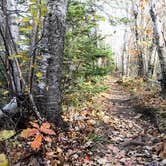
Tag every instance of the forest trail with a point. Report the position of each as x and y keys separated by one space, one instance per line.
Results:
x=116 y=133
x=107 y=132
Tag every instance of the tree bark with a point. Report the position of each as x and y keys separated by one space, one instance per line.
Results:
x=140 y=53
x=160 y=44
x=151 y=60
x=124 y=53
x=54 y=38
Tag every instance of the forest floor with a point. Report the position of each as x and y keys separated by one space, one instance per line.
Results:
x=108 y=131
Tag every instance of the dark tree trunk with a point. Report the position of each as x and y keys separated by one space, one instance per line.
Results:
x=55 y=26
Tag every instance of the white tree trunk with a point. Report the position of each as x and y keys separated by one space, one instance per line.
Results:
x=160 y=44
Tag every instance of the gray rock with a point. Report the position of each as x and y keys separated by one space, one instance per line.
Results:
x=163 y=162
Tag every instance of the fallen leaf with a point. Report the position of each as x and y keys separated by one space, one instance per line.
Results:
x=5 y=134
x=3 y=160
x=29 y=132
x=35 y=145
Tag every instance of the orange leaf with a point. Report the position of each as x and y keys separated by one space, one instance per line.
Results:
x=48 y=131
x=35 y=125
x=148 y=31
x=135 y=52
x=29 y=132
x=35 y=145
x=45 y=125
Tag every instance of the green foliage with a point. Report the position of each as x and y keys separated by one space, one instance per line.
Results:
x=98 y=139
x=124 y=20
x=86 y=60
x=82 y=50
x=81 y=91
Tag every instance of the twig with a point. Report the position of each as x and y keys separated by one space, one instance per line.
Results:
x=133 y=142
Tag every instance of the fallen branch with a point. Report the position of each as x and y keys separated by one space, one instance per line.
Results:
x=34 y=107
x=152 y=81
x=133 y=143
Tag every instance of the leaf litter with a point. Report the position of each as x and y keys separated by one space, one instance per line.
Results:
x=107 y=131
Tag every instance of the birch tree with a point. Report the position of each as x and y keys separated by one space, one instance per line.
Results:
x=54 y=37
x=160 y=43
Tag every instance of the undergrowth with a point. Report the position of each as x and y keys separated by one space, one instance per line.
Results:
x=83 y=90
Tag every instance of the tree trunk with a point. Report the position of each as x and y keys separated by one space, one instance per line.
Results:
x=124 y=53
x=140 y=53
x=160 y=44
x=14 y=37
x=54 y=38
x=151 y=60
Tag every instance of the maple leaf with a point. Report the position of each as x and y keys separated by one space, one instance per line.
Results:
x=35 y=145
x=44 y=128
x=29 y=132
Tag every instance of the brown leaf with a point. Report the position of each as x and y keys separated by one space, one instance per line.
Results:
x=163 y=153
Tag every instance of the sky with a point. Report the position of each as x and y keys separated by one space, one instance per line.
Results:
x=113 y=34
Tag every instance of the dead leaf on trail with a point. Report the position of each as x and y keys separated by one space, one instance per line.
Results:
x=59 y=150
x=114 y=149
x=163 y=152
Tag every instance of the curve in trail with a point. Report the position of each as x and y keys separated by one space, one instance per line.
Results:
x=129 y=139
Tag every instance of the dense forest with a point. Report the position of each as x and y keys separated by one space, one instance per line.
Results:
x=82 y=82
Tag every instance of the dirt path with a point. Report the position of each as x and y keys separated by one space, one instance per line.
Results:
x=121 y=136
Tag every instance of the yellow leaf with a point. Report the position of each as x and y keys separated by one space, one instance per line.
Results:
x=15 y=56
x=5 y=92
x=3 y=160
x=5 y=134
x=25 y=19
x=39 y=74
x=59 y=150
